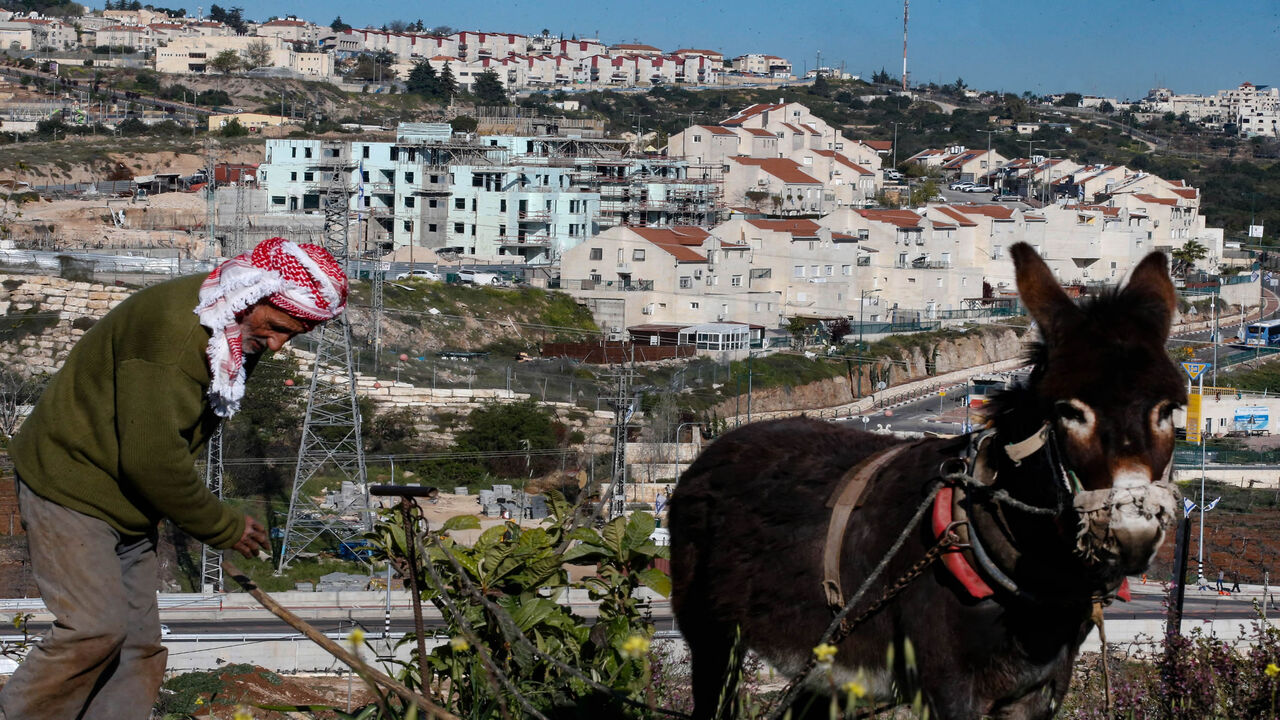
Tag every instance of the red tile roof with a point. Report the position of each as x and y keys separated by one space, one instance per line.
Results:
x=959 y=217
x=793 y=128
x=1144 y=197
x=885 y=145
x=759 y=132
x=750 y=112
x=844 y=161
x=795 y=228
x=812 y=130
x=695 y=51
x=1188 y=193
x=788 y=171
x=717 y=130
x=998 y=212
x=629 y=46
x=679 y=241
x=900 y=218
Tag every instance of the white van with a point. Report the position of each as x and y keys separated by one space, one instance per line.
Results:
x=476 y=277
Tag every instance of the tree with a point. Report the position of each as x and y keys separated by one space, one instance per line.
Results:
x=488 y=88
x=1187 y=255
x=338 y=26
x=258 y=54
x=17 y=394
x=234 y=129
x=838 y=329
x=1069 y=100
x=1106 y=107
x=798 y=327
x=226 y=62
x=821 y=86
x=423 y=80
x=512 y=427
x=448 y=84
x=464 y=124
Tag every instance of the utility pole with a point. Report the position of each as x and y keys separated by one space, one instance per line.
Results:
x=990 y=165
x=331 y=429
x=615 y=496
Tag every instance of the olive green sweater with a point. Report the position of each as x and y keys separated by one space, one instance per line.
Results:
x=118 y=431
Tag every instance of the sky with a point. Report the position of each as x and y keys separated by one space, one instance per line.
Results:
x=1114 y=48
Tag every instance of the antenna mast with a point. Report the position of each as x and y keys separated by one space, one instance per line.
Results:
x=906 y=5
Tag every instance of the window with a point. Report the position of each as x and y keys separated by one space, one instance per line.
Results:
x=277 y=199
x=431 y=227
x=637 y=254
x=460 y=203
x=306 y=152
x=294 y=153
x=502 y=205
x=939 y=282
x=408 y=201
x=846 y=270
x=828 y=270
x=693 y=306
x=459 y=228
x=408 y=226
x=364 y=176
x=502 y=230
x=597 y=253
x=293 y=176
x=432 y=202
x=473 y=230
x=308 y=176
x=408 y=177
x=797 y=271
x=697 y=138
x=686 y=282
x=395 y=153
x=735 y=281
x=364 y=153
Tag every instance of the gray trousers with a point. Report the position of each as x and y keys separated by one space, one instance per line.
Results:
x=102 y=660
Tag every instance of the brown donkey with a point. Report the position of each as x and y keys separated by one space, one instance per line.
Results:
x=779 y=525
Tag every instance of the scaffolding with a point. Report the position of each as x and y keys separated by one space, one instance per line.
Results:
x=331 y=429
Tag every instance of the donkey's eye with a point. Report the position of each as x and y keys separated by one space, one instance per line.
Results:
x=1068 y=412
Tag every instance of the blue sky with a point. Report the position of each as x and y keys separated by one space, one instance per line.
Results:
x=1119 y=48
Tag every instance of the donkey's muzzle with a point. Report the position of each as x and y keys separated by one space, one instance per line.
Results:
x=1121 y=528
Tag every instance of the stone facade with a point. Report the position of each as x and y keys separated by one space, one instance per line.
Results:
x=43 y=317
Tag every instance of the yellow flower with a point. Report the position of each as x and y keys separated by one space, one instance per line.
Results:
x=1272 y=670
x=459 y=644
x=824 y=653
x=199 y=701
x=636 y=646
x=356 y=638
x=242 y=713
x=855 y=688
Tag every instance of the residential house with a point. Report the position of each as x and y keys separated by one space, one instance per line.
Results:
x=777 y=185
x=764 y=65
x=191 y=55
x=291 y=29
x=634 y=50
x=706 y=144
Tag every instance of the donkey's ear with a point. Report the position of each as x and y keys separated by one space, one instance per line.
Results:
x=1150 y=287
x=1039 y=289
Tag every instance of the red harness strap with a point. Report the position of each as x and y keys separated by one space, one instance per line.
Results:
x=954 y=557
x=958 y=564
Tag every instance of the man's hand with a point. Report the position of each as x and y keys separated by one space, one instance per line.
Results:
x=253 y=543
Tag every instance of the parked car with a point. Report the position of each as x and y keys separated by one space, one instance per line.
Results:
x=961 y=185
x=476 y=277
x=423 y=274
x=978 y=188
x=1007 y=198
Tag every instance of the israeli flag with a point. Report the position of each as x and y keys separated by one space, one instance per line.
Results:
x=1187 y=507
x=360 y=189
x=1212 y=504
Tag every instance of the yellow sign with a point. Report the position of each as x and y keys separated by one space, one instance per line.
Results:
x=1193 y=418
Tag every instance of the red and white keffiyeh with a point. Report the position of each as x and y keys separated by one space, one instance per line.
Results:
x=302 y=280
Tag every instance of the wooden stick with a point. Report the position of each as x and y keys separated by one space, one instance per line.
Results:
x=365 y=671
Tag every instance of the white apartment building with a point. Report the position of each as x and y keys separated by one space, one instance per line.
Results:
x=291 y=29
x=47 y=33
x=765 y=65
x=191 y=55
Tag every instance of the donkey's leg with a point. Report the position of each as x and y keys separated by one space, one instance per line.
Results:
x=716 y=658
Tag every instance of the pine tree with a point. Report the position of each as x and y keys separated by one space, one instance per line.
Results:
x=448 y=86
x=423 y=80
x=488 y=88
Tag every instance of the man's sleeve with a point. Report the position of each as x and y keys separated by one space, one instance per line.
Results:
x=157 y=407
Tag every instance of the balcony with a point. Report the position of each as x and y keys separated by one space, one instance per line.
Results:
x=534 y=216
x=524 y=241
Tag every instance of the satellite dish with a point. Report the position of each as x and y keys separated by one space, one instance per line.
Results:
x=881 y=385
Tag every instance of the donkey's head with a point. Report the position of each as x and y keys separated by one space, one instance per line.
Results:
x=1106 y=385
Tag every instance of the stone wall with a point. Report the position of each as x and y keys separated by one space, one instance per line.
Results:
x=42 y=317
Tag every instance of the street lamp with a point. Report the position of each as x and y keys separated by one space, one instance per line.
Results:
x=895 y=145
x=1044 y=191
x=862 y=304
